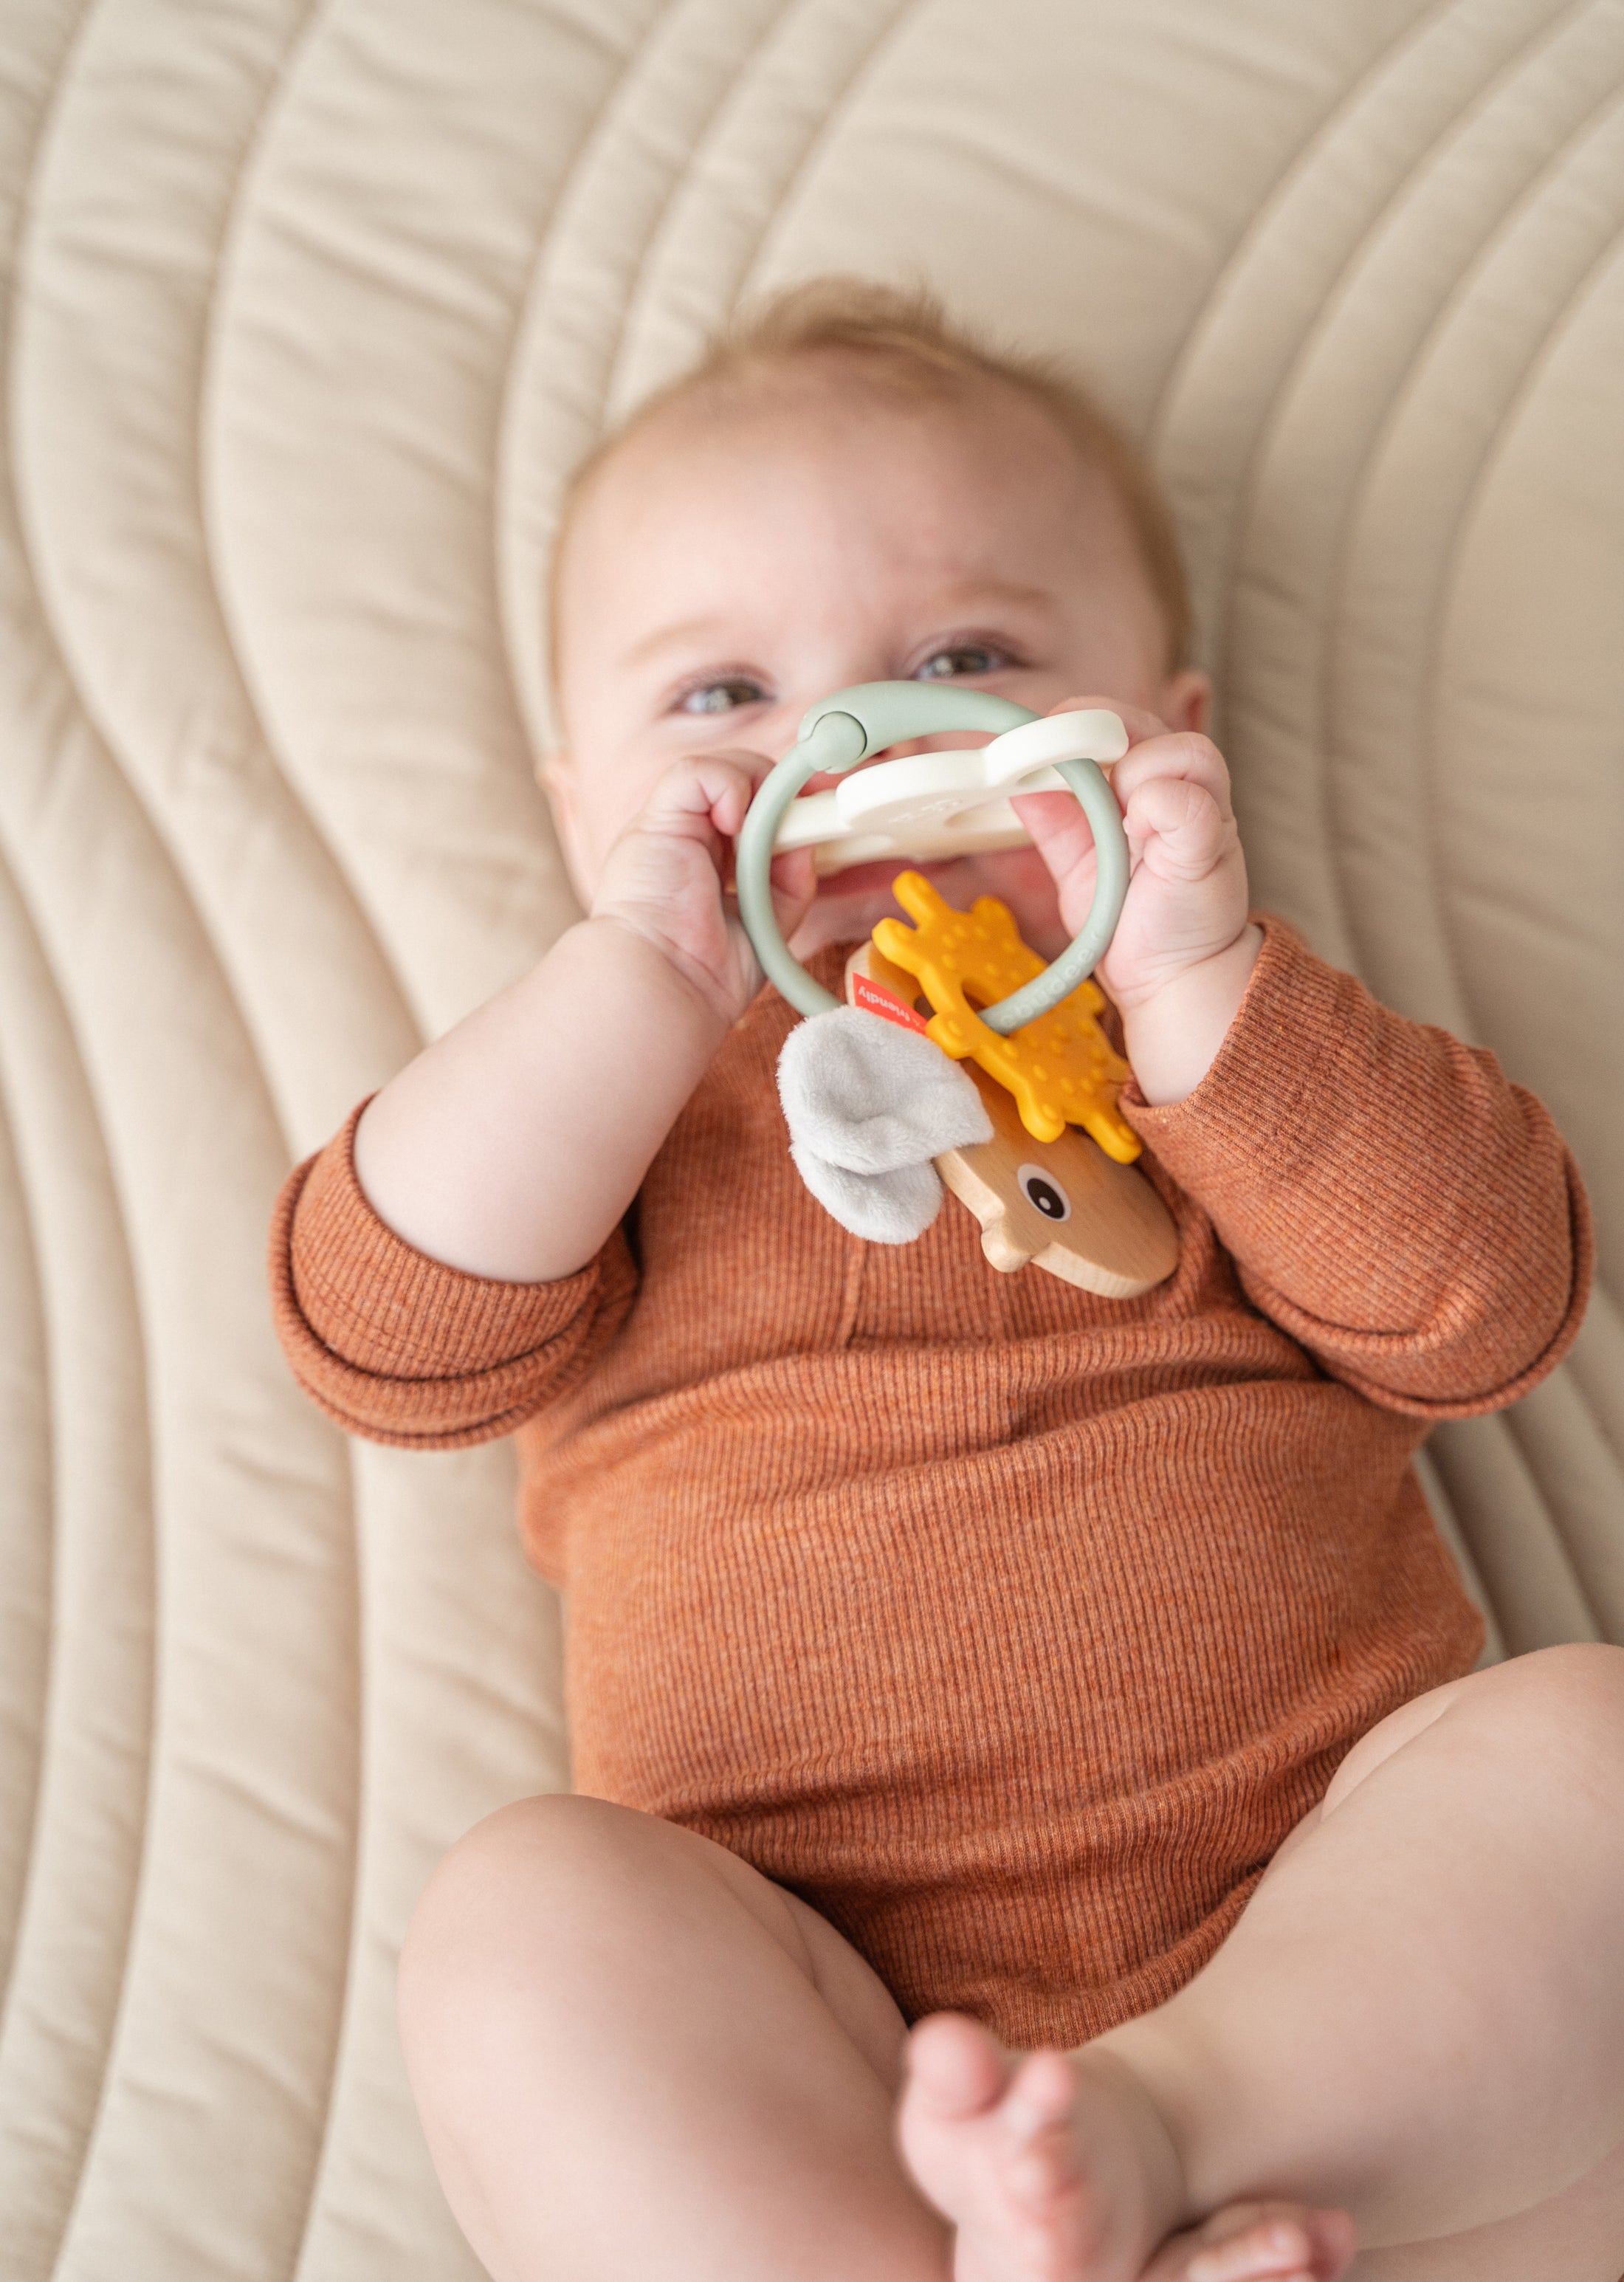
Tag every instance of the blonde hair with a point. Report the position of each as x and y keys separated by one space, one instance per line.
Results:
x=905 y=339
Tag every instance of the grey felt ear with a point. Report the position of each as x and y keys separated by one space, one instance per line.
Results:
x=869 y=1104
x=890 y=1208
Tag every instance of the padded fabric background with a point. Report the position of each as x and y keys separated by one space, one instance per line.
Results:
x=311 y=307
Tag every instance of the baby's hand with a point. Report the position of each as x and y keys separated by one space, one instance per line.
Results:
x=1178 y=963
x=1187 y=892
x=668 y=877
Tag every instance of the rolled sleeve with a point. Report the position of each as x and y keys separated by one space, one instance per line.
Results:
x=399 y=1347
x=1388 y=1197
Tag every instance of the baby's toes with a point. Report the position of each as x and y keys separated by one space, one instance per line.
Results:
x=1259 y=2242
x=957 y=2076
x=1041 y=2167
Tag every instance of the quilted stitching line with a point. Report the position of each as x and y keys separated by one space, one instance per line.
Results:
x=609 y=122
x=864 y=66
x=1419 y=167
x=233 y=223
x=1320 y=733
x=1409 y=386
x=46 y=1789
x=1303 y=163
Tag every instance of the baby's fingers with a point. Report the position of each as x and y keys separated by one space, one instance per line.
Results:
x=1060 y=829
x=706 y=793
x=1178 y=828
x=1182 y=754
x=793 y=879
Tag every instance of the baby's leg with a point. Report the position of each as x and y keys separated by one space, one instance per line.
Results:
x=1576 y=2237
x=635 y=2057
x=1416 y=2020
x=1418 y=2012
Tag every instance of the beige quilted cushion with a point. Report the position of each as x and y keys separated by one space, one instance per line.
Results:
x=312 y=309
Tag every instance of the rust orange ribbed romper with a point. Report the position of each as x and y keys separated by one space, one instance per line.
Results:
x=1012 y=1627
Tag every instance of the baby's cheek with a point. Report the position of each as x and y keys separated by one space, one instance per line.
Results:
x=608 y=797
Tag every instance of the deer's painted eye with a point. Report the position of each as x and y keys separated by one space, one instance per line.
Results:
x=1043 y=1192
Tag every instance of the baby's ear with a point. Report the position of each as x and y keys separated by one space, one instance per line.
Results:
x=1187 y=701
x=555 y=775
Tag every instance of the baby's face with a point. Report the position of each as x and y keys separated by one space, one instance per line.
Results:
x=745 y=555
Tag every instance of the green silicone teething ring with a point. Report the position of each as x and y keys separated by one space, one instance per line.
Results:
x=845 y=729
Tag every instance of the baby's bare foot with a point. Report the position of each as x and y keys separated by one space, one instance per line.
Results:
x=1051 y=2171
x=1056 y=2169
x=1260 y=2242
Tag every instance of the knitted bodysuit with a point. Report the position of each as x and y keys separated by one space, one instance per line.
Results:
x=1012 y=1627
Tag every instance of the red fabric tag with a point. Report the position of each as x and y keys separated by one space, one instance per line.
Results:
x=875 y=999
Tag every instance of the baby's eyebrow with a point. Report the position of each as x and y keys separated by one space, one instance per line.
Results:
x=965 y=592
x=686 y=632
x=961 y=596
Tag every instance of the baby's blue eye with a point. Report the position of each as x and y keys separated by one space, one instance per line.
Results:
x=720 y=696
x=963 y=657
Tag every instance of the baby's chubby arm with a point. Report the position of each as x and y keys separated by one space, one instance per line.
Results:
x=1388 y=1198
x=1184 y=951
x=511 y=1147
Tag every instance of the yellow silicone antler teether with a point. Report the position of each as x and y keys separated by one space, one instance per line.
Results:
x=1061 y=1068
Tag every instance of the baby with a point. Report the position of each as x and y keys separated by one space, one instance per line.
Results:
x=1078 y=1679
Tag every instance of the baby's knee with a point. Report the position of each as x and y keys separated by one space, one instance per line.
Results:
x=520 y=1884
x=1548 y=1725
x=1567 y=1699
x=1538 y=1718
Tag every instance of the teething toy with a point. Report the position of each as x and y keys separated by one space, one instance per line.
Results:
x=874 y=1132
x=930 y=802
x=1062 y=1204
x=1061 y=1068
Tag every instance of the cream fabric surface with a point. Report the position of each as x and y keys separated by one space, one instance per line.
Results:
x=310 y=310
